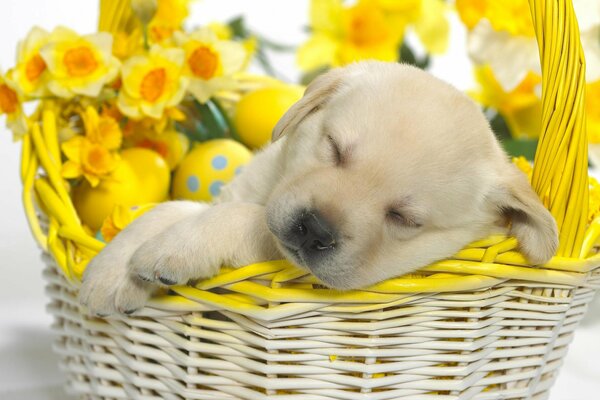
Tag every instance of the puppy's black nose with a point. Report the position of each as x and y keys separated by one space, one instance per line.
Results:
x=313 y=233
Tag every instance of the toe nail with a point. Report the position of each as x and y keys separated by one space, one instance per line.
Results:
x=145 y=278
x=101 y=315
x=167 y=281
x=129 y=312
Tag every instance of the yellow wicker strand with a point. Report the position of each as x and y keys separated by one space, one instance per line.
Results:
x=26 y=156
x=508 y=271
x=53 y=204
x=30 y=212
x=57 y=249
x=591 y=237
x=560 y=54
x=78 y=236
x=51 y=137
x=50 y=167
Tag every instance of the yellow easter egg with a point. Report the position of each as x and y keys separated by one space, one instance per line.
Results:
x=257 y=112
x=207 y=168
x=141 y=177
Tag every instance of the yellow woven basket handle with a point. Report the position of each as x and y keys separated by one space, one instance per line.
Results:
x=116 y=16
x=560 y=172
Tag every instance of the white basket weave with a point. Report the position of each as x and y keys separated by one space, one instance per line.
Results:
x=506 y=342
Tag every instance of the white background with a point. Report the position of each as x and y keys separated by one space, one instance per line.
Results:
x=27 y=366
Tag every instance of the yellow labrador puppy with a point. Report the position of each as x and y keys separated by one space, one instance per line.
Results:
x=378 y=170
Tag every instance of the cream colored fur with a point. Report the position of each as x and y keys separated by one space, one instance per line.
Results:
x=411 y=143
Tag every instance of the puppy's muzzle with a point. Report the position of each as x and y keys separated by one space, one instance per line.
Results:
x=311 y=235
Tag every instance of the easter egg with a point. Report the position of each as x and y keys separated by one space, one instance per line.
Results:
x=207 y=167
x=257 y=112
x=141 y=177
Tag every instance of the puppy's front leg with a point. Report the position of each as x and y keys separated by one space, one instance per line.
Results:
x=107 y=271
x=233 y=234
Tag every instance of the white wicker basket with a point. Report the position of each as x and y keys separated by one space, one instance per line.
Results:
x=483 y=325
x=503 y=342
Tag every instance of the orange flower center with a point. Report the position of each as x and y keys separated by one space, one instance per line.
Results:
x=153 y=84
x=367 y=26
x=98 y=160
x=204 y=62
x=80 y=61
x=34 y=67
x=8 y=100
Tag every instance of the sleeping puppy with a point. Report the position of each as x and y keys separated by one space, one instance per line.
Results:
x=378 y=170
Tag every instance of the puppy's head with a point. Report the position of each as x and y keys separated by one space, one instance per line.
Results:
x=387 y=169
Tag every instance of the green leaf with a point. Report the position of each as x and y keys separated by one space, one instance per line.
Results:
x=407 y=56
x=205 y=122
x=520 y=147
x=238 y=27
x=499 y=126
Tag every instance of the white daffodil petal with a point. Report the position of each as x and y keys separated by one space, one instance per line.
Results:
x=511 y=57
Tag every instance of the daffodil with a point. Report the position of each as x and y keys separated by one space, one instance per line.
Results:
x=520 y=107
x=103 y=130
x=31 y=73
x=170 y=145
x=79 y=65
x=10 y=104
x=94 y=155
x=90 y=160
x=120 y=218
x=210 y=63
x=152 y=83
x=501 y=27
x=370 y=29
x=127 y=44
x=169 y=17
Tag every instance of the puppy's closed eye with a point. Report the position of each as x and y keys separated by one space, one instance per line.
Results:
x=402 y=219
x=338 y=155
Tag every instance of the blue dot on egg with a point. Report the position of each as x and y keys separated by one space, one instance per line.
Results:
x=219 y=163
x=215 y=188
x=193 y=183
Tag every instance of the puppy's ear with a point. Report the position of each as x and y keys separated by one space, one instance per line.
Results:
x=531 y=223
x=316 y=95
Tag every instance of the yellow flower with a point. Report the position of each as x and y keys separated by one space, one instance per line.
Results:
x=10 y=104
x=120 y=218
x=222 y=31
x=210 y=63
x=93 y=155
x=170 y=145
x=369 y=29
x=90 y=160
x=169 y=17
x=126 y=44
x=31 y=74
x=524 y=165
x=501 y=27
x=152 y=83
x=79 y=65
x=103 y=130
x=512 y=16
x=521 y=107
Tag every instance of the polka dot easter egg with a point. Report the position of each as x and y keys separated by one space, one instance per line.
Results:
x=208 y=167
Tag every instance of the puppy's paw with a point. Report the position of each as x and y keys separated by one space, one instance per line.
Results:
x=107 y=286
x=168 y=259
x=103 y=276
